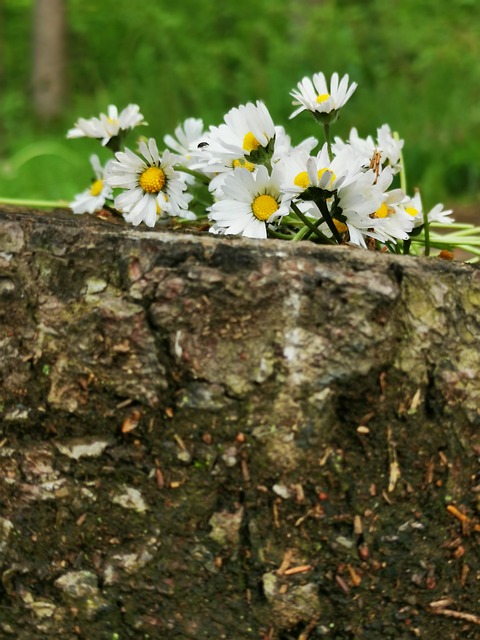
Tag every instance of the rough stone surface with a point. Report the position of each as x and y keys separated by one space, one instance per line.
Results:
x=224 y=438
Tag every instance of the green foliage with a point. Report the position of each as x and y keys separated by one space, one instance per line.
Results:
x=416 y=63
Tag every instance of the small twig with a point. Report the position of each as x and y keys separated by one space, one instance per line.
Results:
x=394 y=474
x=441 y=604
x=457 y=513
x=354 y=576
x=308 y=629
x=276 y=519
x=459 y=615
x=285 y=564
x=180 y=442
x=244 y=469
x=464 y=519
x=303 y=568
x=342 y=584
x=159 y=478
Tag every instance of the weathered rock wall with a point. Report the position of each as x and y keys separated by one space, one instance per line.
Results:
x=200 y=435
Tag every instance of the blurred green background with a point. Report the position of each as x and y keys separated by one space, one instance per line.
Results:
x=417 y=63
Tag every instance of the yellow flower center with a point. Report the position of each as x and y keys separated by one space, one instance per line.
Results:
x=323 y=97
x=302 y=180
x=96 y=188
x=411 y=211
x=264 y=206
x=322 y=171
x=152 y=180
x=243 y=163
x=382 y=211
x=250 y=143
x=341 y=227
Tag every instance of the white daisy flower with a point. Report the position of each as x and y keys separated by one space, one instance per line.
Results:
x=94 y=198
x=106 y=127
x=249 y=202
x=225 y=169
x=358 y=200
x=152 y=184
x=328 y=174
x=234 y=145
x=188 y=140
x=303 y=171
x=283 y=148
x=415 y=208
x=358 y=226
x=188 y=135
x=221 y=164
x=314 y=94
x=246 y=130
x=439 y=214
x=395 y=222
x=353 y=193
x=389 y=147
x=385 y=151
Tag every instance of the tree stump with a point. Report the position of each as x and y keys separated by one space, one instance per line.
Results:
x=212 y=437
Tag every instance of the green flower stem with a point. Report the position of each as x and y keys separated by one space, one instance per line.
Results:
x=393 y=248
x=322 y=205
x=112 y=209
x=50 y=204
x=426 y=233
x=326 y=131
x=403 y=175
x=469 y=248
x=302 y=233
x=453 y=225
x=200 y=221
x=463 y=233
x=453 y=241
x=115 y=144
x=290 y=219
x=317 y=223
x=192 y=172
x=201 y=203
x=311 y=226
x=476 y=252
x=281 y=236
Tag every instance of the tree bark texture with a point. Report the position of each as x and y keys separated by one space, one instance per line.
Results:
x=207 y=437
x=49 y=58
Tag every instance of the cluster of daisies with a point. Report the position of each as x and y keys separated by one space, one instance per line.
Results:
x=247 y=178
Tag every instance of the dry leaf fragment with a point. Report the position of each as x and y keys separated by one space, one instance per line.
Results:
x=131 y=422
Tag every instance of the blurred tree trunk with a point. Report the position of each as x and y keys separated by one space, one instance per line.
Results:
x=1 y=47
x=49 y=51
x=2 y=71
